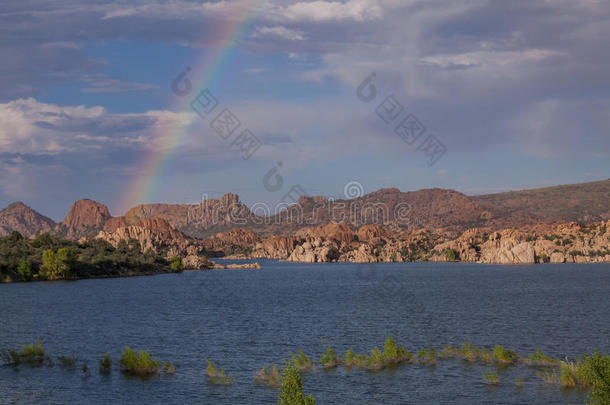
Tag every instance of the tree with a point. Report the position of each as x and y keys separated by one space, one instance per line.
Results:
x=49 y=269
x=15 y=237
x=25 y=270
x=66 y=261
x=291 y=389
x=176 y=264
x=451 y=255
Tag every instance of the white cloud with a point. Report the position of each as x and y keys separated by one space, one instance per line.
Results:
x=32 y=127
x=324 y=11
x=280 y=32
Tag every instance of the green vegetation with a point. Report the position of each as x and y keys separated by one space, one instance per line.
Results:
x=503 y=356
x=218 y=377
x=25 y=270
x=169 y=368
x=49 y=257
x=291 y=388
x=448 y=352
x=67 y=362
x=540 y=359
x=139 y=364
x=427 y=356
x=377 y=360
x=105 y=364
x=491 y=378
x=451 y=255
x=468 y=351
x=176 y=264
x=329 y=359
x=301 y=361
x=597 y=373
x=30 y=354
x=352 y=359
x=269 y=377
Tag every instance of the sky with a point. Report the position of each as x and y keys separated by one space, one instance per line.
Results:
x=126 y=102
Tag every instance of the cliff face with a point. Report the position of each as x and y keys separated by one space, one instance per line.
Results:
x=160 y=237
x=204 y=219
x=21 y=218
x=85 y=219
x=558 y=243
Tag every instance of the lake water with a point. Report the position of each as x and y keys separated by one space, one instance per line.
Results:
x=244 y=319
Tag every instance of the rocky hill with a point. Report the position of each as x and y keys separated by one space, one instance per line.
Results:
x=582 y=202
x=23 y=219
x=85 y=219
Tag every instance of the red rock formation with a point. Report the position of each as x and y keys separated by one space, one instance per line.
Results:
x=85 y=219
x=21 y=218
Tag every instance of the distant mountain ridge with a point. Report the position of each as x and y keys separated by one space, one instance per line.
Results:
x=391 y=208
x=23 y=219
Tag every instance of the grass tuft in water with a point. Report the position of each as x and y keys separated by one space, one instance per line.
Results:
x=169 y=368
x=539 y=359
x=329 y=359
x=139 y=364
x=504 y=356
x=105 y=364
x=269 y=377
x=30 y=354
x=427 y=356
x=301 y=361
x=491 y=378
x=218 y=377
x=67 y=362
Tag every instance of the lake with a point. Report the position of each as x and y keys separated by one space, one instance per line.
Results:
x=244 y=319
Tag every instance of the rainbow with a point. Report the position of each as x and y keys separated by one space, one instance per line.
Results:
x=203 y=74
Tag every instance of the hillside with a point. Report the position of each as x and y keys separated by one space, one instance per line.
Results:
x=23 y=219
x=582 y=202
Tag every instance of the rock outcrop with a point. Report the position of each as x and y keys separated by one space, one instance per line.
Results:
x=85 y=219
x=23 y=219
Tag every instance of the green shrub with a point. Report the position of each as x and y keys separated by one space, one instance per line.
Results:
x=376 y=360
x=596 y=371
x=49 y=269
x=169 y=368
x=176 y=264
x=139 y=364
x=30 y=354
x=67 y=362
x=491 y=378
x=448 y=352
x=218 y=377
x=540 y=359
x=301 y=361
x=468 y=351
x=291 y=388
x=270 y=378
x=25 y=270
x=504 y=356
x=105 y=364
x=329 y=359
x=451 y=255
x=352 y=359
x=427 y=356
